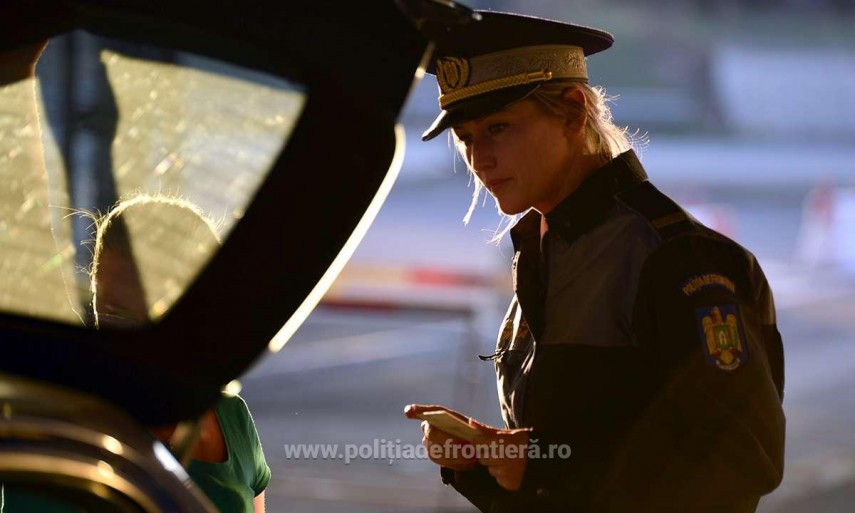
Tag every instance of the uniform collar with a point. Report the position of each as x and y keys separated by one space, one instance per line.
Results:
x=585 y=207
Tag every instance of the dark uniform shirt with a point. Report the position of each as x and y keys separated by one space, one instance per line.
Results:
x=645 y=342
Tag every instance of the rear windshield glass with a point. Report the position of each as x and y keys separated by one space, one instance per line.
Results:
x=161 y=150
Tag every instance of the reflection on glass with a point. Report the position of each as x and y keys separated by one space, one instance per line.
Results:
x=30 y=257
x=106 y=121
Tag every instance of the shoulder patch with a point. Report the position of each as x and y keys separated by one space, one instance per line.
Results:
x=722 y=336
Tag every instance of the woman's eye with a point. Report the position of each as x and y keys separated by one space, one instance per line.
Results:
x=464 y=139
x=497 y=128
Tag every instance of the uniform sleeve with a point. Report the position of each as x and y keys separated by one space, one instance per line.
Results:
x=478 y=486
x=712 y=437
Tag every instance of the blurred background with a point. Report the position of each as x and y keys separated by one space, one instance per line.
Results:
x=749 y=109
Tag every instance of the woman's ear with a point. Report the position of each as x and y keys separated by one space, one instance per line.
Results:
x=575 y=99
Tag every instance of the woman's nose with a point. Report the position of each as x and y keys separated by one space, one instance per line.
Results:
x=481 y=153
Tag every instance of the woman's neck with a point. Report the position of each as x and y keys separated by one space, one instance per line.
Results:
x=578 y=171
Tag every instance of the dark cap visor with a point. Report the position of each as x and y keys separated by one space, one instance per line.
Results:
x=477 y=107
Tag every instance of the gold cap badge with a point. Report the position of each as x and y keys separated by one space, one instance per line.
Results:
x=452 y=73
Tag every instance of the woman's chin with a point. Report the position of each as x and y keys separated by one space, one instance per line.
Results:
x=510 y=208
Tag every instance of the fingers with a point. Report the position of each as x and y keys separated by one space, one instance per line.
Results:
x=503 y=454
x=448 y=446
x=441 y=448
x=475 y=423
x=508 y=472
x=483 y=427
x=502 y=473
x=508 y=481
x=412 y=411
x=439 y=436
x=446 y=450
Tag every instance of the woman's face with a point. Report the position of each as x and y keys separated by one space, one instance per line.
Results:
x=523 y=155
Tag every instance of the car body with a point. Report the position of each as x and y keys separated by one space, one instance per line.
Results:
x=76 y=399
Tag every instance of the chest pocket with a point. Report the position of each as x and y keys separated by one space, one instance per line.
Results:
x=514 y=351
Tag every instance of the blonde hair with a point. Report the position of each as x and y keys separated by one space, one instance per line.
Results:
x=602 y=136
x=169 y=239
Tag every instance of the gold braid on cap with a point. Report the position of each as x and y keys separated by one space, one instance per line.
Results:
x=493 y=85
x=462 y=78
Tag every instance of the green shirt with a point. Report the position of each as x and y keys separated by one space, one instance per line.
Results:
x=232 y=484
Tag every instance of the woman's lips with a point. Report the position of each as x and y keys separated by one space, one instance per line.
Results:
x=495 y=185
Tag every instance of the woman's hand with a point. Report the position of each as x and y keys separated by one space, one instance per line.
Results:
x=443 y=449
x=504 y=452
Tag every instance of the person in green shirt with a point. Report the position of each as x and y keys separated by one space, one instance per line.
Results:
x=171 y=240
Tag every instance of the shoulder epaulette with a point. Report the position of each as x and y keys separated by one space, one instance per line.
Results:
x=663 y=214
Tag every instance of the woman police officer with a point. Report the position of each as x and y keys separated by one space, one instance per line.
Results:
x=638 y=337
